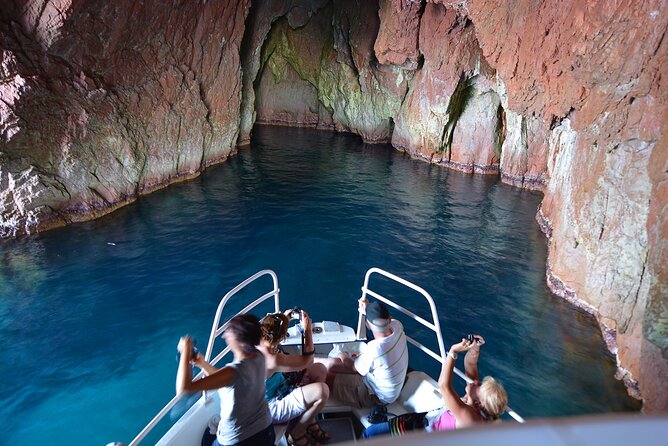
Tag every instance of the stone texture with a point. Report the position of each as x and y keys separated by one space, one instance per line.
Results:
x=570 y=100
x=524 y=150
x=397 y=40
x=262 y=15
x=333 y=53
x=285 y=98
x=451 y=114
x=477 y=137
x=97 y=115
x=594 y=70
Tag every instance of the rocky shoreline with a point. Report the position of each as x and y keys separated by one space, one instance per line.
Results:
x=559 y=289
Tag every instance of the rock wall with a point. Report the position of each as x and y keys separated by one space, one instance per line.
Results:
x=103 y=101
x=263 y=14
x=332 y=54
x=594 y=70
x=451 y=113
x=567 y=100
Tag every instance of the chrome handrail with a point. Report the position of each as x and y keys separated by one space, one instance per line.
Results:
x=215 y=332
x=434 y=326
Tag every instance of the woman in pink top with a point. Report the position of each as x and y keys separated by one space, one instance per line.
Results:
x=483 y=402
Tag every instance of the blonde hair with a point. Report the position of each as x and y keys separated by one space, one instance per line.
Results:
x=493 y=397
x=274 y=328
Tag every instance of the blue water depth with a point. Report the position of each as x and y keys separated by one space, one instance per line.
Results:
x=90 y=315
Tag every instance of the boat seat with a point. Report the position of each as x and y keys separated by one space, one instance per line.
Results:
x=419 y=394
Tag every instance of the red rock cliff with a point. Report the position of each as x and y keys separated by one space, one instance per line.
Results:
x=565 y=99
x=595 y=71
x=102 y=101
x=568 y=100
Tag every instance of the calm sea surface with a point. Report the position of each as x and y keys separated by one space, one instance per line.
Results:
x=90 y=315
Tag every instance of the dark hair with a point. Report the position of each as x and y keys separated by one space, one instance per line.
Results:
x=246 y=330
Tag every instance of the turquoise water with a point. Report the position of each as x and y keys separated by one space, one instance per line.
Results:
x=90 y=314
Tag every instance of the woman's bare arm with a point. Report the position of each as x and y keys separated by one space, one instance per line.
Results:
x=471 y=358
x=204 y=365
x=307 y=326
x=184 y=383
x=452 y=401
x=288 y=363
x=281 y=362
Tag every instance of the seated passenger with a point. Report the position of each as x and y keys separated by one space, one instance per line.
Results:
x=295 y=387
x=377 y=374
x=484 y=402
x=244 y=415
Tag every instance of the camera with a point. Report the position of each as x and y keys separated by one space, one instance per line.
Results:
x=473 y=338
x=193 y=354
x=296 y=313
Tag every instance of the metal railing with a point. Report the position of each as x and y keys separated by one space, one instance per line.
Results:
x=216 y=331
x=434 y=326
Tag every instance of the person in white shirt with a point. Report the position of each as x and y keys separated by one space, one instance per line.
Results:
x=377 y=375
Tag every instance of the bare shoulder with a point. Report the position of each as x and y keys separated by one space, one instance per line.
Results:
x=468 y=416
x=269 y=356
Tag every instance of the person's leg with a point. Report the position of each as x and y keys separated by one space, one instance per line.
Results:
x=328 y=363
x=329 y=380
x=376 y=429
x=315 y=397
x=316 y=373
x=350 y=389
x=330 y=367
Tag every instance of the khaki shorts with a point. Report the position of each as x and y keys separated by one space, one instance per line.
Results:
x=349 y=388
x=291 y=406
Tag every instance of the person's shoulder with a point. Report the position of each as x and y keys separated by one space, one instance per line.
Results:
x=266 y=353
x=259 y=357
x=396 y=324
x=371 y=347
x=397 y=328
x=256 y=359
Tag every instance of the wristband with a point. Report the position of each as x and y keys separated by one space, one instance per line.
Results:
x=312 y=352
x=452 y=354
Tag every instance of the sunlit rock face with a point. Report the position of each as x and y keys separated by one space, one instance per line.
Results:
x=567 y=100
x=397 y=40
x=595 y=72
x=103 y=101
x=451 y=114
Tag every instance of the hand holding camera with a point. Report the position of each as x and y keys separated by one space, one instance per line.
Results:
x=304 y=319
x=471 y=341
x=296 y=313
x=187 y=344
